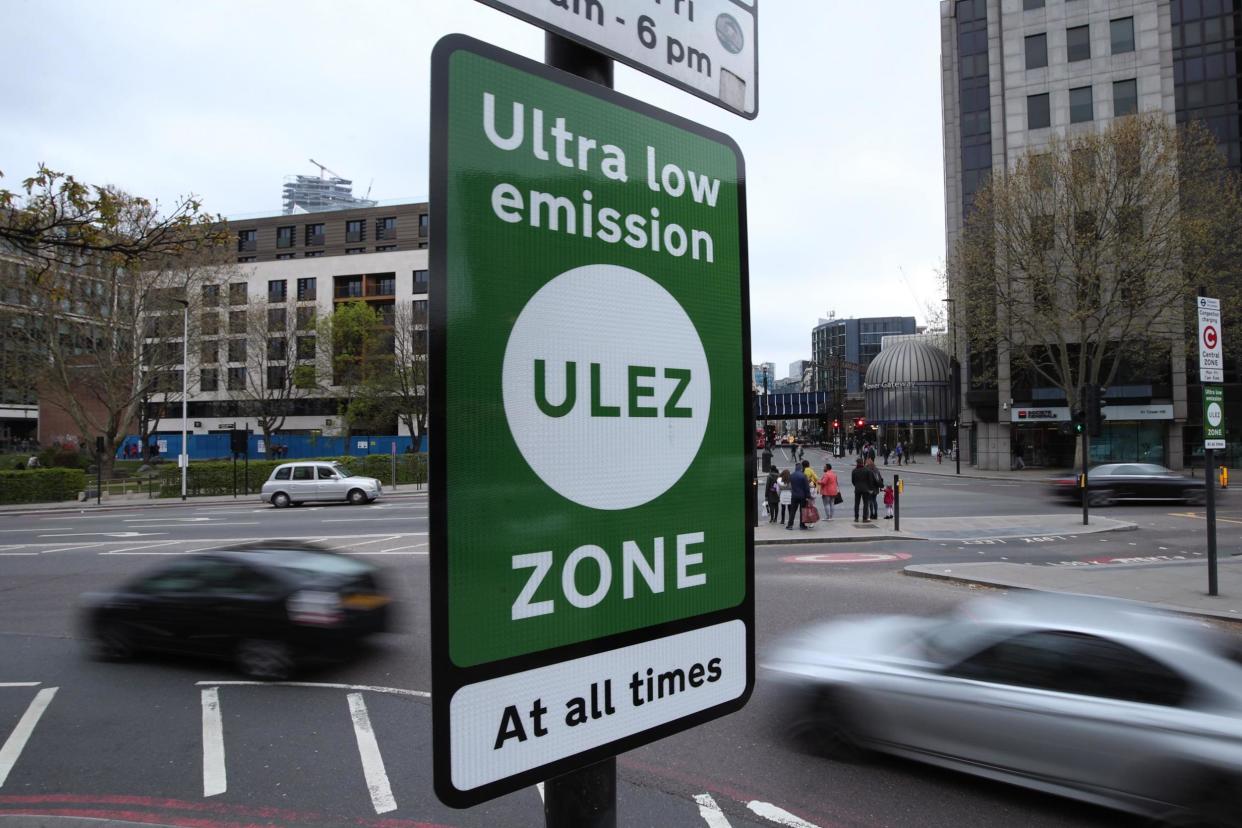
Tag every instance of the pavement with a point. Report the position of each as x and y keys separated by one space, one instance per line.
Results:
x=844 y=529
x=1173 y=584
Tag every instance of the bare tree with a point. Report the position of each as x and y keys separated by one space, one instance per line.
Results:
x=406 y=384
x=1084 y=256
x=273 y=376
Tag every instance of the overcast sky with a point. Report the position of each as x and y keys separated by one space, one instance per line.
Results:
x=223 y=99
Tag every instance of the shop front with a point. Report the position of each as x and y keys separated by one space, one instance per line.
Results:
x=1041 y=435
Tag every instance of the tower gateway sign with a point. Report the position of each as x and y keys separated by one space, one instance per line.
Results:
x=590 y=464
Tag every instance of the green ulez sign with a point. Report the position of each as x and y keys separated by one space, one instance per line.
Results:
x=591 y=547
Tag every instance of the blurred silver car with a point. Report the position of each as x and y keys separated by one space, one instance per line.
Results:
x=1100 y=700
x=298 y=483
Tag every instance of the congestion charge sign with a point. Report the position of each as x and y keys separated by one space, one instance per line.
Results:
x=591 y=554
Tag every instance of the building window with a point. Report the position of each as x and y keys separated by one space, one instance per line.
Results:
x=386 y=228
x=1078 y=43
x=385 y=285
x=385 y=248
x=420 y=313
x=211 y=296
x=277 y=349
x=237 y=350
x=306 y=289
x=280 y=257
x=1031 y=5
x=422 y=225
x=306 y=347
x=237 y=379
x=208 y=351
x=276 y=376
x=356 y=230
x=349 y=251
x=1121 y=32
x=210 y=324
x=348 y=287
x=1037 y=112
x=208 y=379
x=237 y=293
x=284 y=236
x=314 y=235
x=1081 y=108
x=245 y=259
x=277 y=319
x=306 y=317
x=312 y=254
x=237 y=322
x=1037 y=51
x=277 y=291
x=247 y=240
x=1125 y=98
x=420 y=281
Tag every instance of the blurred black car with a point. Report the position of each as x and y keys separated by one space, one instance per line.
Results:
x=267 y=607
x=1112 y=482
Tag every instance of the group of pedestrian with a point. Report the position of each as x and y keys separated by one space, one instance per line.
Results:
x=787 y=494
x=868 y=485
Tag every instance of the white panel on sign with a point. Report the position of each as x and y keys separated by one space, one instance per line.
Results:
x=1213 y=444
x=706 y=47
x=524 y=720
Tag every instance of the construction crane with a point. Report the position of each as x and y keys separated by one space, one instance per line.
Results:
x=323 y=169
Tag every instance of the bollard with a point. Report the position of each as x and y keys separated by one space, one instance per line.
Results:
x=896 y=503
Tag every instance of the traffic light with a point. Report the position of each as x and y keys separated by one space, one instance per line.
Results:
x=836 y=424
x=859 y=424
x=1094 y=409
x=1078 y=418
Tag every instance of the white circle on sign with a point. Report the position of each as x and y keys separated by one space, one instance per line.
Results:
x=633 y=420
x=1214 y=414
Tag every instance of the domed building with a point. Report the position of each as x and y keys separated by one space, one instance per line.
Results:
x=909 y=394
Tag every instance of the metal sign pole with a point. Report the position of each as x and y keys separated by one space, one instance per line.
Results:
x=1086 y=448
x=587 y=797
x=1209 y=467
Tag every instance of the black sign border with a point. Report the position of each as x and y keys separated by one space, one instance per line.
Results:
x=447 y=677
x=499 y=5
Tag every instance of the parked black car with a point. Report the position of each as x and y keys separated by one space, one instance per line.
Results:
x=266 y=606
x=1112 y=482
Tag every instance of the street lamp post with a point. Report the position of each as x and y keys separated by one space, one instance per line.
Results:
x=955 y=383
x=184 y=459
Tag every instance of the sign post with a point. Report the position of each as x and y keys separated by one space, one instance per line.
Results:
x=591 y=341
x=1211 y=370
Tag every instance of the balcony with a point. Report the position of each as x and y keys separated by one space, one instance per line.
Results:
x=381 y=286
x=314 y=240
x=349 y=290
x=355 y=235
x=247 y=245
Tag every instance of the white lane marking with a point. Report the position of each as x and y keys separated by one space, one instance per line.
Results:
x=369 y=753
x=231 y=523
x=18 y=554
x=364 y=543
x=399 y=548
x=107 y=534
x=778 y=815
x=539 y=787
x=13 y=746
x=710 y=811
x=214 y=779
x=370 y=688
x=167 y=520
x=393 y=554
x=127 y=553
x=143 y=545
x=85 y=516
x=20 y=683
x=374 y=520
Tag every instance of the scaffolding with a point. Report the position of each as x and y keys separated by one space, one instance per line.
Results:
x=318 y=193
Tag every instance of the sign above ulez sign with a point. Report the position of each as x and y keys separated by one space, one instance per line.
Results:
x=591 y=551
x=1211 y=348
x=708 y=48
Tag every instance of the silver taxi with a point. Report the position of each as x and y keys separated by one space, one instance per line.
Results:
x=293 y=484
